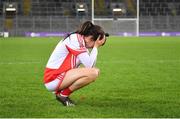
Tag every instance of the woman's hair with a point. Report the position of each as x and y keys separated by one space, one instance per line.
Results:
x=88 y=28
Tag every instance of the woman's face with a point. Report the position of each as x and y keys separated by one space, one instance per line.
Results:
x=89 y=43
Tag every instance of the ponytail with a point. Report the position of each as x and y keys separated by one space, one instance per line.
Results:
x=85 y=27
x=88 y=28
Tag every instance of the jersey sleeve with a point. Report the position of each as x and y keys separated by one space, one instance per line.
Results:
x=88 y=60
x=75 y=44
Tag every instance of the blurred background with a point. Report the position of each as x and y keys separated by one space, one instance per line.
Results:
x=118 y=17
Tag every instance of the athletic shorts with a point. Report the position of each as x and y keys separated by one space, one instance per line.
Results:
x=55 y=84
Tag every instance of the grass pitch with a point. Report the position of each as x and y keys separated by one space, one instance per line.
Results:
x=140 y=77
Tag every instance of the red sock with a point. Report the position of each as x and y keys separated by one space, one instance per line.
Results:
x=57 y=92
x=66 y=92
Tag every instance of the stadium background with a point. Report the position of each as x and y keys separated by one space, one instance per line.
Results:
x=139 y=75
x=63 y=15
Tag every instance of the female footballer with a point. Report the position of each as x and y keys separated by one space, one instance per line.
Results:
x=62 y=73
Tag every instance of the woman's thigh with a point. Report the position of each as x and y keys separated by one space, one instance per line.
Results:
x=75 y=74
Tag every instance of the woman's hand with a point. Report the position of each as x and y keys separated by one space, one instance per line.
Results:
x=99 y=42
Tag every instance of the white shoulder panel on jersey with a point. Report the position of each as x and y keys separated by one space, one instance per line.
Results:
x=58 y=55
x=73 y=42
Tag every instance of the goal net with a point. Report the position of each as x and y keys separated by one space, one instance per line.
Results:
x=117 y=17
x=120 y=27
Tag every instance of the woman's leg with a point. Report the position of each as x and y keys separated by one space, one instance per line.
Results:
x=73 y=80
x=79 y=77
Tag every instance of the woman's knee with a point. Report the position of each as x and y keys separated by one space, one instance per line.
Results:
x=95 y=72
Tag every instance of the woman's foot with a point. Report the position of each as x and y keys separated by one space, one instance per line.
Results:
x=66 y=101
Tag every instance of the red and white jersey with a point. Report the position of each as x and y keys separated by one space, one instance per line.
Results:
x=68 y=54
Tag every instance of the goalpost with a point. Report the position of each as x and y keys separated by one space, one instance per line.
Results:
x=119 y=26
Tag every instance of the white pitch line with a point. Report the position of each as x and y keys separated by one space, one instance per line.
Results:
x=11 y=63
x=101 y=62
x=143 y=61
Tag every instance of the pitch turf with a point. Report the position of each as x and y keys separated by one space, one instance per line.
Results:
x=140 y=77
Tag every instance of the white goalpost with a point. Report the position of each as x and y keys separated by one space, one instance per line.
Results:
x=119 y=26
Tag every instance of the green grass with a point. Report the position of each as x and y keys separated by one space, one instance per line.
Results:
x=140 y=77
